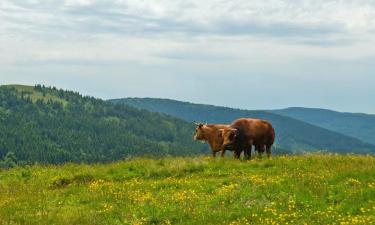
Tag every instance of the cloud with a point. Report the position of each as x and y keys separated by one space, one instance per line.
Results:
x=155 y=31
x=291 y=46
x=259 y=17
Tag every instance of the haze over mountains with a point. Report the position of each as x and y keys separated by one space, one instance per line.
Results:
x=293 y=133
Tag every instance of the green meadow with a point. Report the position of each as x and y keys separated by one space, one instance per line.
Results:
x=306 y=189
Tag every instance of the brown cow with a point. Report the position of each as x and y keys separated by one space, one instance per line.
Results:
x=245 y=132
x=211 y=133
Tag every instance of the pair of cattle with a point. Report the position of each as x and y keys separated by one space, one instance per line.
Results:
x=239 y=136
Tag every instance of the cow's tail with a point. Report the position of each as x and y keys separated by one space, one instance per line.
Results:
x=272 y=136
x=270 y=142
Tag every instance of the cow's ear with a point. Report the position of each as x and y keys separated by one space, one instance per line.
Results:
x=199 y=125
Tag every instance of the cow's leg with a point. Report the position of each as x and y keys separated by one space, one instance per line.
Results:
x=213 y=153
x=248 y=152
x=222 y=152
x=237 y=153
x=268 y=151
x=260 y=150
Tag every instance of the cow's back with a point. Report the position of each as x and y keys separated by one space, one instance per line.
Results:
x=216 y=140
x=260 y=131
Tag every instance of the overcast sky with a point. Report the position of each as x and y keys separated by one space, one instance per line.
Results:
x=258 y=54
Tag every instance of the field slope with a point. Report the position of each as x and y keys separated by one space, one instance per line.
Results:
x=309 y=189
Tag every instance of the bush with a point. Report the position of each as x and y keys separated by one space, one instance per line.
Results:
x=9 y=161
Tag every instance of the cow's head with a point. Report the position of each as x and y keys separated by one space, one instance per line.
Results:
x=228 y=135
x=199 y=132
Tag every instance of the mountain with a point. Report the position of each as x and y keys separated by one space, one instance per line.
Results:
x=40 y=124
x=358 y=125
x=292 y=134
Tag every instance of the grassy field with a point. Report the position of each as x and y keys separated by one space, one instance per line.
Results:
x=309 y=189
x=34 y=95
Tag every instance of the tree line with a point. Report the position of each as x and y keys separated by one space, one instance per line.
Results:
x=84 y=129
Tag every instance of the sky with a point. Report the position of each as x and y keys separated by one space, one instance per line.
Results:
x=259 y=54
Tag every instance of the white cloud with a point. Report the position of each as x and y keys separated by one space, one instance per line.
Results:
x=183 y=16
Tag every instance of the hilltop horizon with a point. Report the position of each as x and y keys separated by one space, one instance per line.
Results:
x=260 y=109
x=191 y=101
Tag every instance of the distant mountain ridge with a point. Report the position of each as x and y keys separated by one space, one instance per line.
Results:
x=358 y=125
x=292 y=133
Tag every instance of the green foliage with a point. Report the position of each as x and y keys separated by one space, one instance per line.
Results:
x=47 y=125
x=291 y=134
x=9 y=161
x=308 y=189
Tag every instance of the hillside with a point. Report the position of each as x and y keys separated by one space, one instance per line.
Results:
x=358 y=125
x=291 y=134
x=308 y=189
x=48 y=125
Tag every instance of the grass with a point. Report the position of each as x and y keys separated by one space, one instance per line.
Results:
x=35 y=95
x=308 y=189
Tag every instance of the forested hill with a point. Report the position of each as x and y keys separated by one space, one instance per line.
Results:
x=358 y=125
x=40 y=124
x=292 y=134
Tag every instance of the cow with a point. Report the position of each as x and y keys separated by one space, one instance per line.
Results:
x=245 y=132
x=211 y=133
